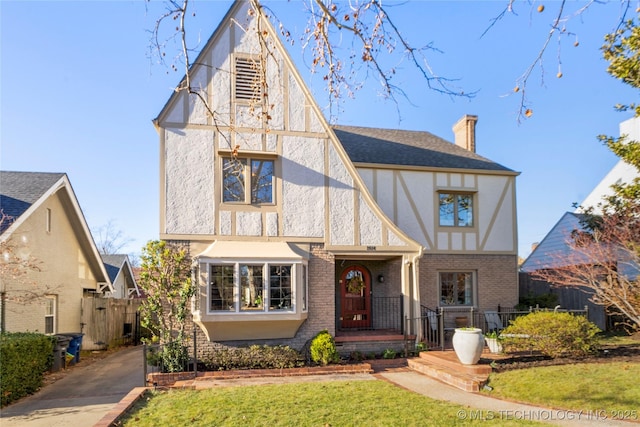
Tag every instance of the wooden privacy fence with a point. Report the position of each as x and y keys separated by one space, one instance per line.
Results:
x=108 y=322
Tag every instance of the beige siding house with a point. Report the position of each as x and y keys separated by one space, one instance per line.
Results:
x=296 y=226
x=54 y=261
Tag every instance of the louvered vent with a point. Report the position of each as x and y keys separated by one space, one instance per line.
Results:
x=247 y=79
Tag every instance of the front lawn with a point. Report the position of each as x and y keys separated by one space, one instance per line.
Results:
x=607 y=386
x=336 y=403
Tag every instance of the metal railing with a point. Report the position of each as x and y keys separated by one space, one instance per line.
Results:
x=386 y=314
x=170 y=357
x=435 y=327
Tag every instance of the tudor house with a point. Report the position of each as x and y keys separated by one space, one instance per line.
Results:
x=296 y=226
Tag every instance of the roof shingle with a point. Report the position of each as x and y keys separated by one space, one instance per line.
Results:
x=20 y=190
x=408 y=148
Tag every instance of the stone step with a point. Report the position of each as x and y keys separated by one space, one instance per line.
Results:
x=450 y=360
x=454 y=377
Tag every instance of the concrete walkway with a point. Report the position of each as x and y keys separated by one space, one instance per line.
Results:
x=82 y=397
x=481 y=407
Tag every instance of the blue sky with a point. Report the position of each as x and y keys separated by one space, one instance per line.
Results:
x=78 y=91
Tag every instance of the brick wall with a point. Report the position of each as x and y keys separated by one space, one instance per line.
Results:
x=497 y=278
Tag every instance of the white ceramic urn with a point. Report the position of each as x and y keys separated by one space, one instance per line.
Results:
x=468 y=344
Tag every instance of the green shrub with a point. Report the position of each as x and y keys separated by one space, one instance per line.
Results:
x=24 y=358
x=174 y=357
x=389 y=353
x=254 y=357
x=323 y=349
x=357 y=356
x=553 y=334
x=537 y=300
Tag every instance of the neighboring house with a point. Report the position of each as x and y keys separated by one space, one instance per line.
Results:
x=296 y=226
x=49 y=231
x=121 y=275
x=621 y=173
x=554 y=250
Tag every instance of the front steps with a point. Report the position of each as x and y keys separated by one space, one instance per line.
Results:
x=444 y=366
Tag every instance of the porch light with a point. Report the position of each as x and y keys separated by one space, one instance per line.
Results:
x=380 y=278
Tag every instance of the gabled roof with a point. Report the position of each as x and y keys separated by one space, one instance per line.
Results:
x=554 y=249
x=22 y=193
x=20 y=190
x=409 y=148
x=115 y=264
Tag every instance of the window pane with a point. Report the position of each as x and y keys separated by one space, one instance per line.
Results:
x=49 y=315
x=251 y=287
x=262 y=181
x=465 y=210
x=233 y=180
x=48 y=325
x=280 y=287
x=49 y=305
x=456 y=288
x=446 y=288
x=221 y=288
x=446 y=210
x=304 y=288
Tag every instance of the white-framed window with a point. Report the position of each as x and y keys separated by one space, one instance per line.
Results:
x=47 y=225
x=455 y=209
x=247 y=180
x=50 y=308
x=256 y=287
x=456 y=287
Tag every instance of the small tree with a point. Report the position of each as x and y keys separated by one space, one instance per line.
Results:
x=166 y=281
x=605 y=253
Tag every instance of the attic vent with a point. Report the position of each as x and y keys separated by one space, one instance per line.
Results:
x=248 y=79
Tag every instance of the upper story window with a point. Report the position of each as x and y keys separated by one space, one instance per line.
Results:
x=248 y=84
x=456 y=209
x=247 y=180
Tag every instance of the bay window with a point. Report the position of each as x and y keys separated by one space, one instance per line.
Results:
x=256 y=287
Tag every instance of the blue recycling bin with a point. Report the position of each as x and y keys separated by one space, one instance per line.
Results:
x=74 y=345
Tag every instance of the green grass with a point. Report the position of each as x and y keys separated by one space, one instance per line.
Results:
x=588 y=386
x=335 y=403
x=612 y=339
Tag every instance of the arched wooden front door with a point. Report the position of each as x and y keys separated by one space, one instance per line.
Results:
x=355 y=303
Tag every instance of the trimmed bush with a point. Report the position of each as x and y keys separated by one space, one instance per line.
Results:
x=553 y=334
x=323 y=349
x=24 y=358
x=254 y=357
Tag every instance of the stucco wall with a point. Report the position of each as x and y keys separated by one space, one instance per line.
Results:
x=189 y=181
x=303 y=181
x=409 y=199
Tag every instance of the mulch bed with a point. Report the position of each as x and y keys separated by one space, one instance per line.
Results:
x=620 y=353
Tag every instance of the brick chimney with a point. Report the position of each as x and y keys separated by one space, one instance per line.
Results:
x=464 y=132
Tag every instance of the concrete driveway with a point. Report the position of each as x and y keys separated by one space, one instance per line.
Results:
x=82 y=397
